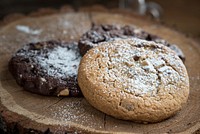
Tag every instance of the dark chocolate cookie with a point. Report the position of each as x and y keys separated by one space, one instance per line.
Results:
x=101 y=33
x=47 y=68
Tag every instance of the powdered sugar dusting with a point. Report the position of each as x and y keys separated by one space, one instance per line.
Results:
x=65 y=114
x=138 y=67
x=28 y=30
x=75 y=111
x=60 y=62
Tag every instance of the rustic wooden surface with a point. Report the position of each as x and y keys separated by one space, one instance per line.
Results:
x=182 y=14
x=21 y=111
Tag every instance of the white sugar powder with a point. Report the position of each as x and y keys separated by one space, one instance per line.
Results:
x=60 y=62
x=137 y=75
x=28 y=30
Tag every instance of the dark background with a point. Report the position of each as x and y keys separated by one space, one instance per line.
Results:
x=184 y=15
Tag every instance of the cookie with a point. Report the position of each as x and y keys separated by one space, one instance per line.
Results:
x=134 y=79
x=47 y=68
x=101 y=33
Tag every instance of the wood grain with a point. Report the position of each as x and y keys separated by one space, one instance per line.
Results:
x=23 y=112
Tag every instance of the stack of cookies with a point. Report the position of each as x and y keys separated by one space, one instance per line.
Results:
x=122 y=71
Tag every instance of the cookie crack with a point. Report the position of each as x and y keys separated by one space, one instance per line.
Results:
x=168 y=64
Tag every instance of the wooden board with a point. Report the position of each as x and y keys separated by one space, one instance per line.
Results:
x=23 y=112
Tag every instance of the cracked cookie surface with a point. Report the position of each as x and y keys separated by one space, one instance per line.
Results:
x=101 y=33
x=47 y=68
x=133 y=79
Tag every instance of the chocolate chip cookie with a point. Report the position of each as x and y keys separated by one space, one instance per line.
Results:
x=47 y=68
x=101 y=33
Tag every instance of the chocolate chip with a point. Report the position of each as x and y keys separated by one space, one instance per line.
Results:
x=136 y=58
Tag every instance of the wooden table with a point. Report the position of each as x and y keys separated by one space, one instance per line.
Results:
x=24 y=112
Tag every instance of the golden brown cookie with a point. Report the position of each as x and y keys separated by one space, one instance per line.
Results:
x=133 y=79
